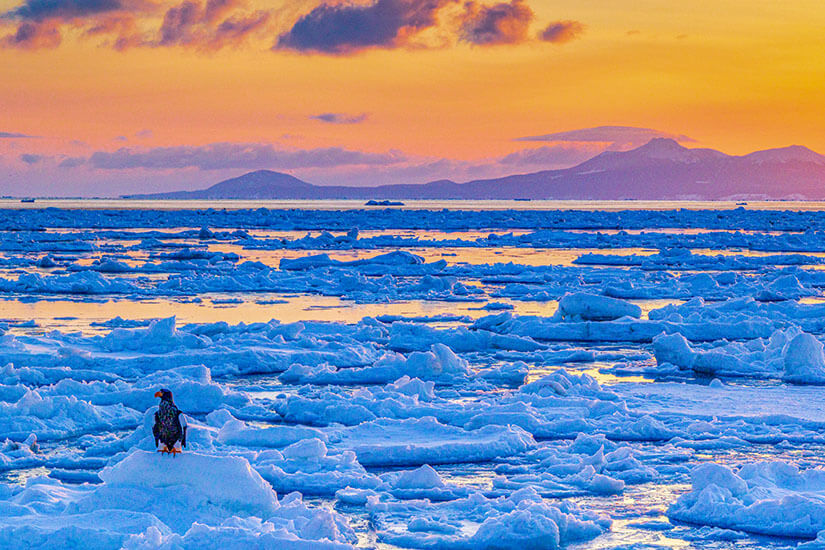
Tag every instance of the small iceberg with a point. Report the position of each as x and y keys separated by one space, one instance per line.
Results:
x=373 y=202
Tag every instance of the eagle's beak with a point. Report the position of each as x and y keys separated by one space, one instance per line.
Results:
x=158 y=394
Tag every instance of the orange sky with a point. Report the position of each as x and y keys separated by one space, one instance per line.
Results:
x=733 y=75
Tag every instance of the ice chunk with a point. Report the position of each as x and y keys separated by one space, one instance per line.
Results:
x=306 y=466
x=440 y=364
x=520 y=521
x=804 y=359
x=426 y=441
x=97 y=529
x=182 y=490
x=236 y=432
x=769 y=498
x=590 y=307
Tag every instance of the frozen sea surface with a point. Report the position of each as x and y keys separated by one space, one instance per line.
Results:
x=495 y=375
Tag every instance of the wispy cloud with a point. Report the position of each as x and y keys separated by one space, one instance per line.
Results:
x=15 y=135
x=208 y=26
x=340 y=118
x=616 y=137
x=222 y=156
x=551 y=156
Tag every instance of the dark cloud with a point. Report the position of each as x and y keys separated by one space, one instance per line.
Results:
x=38 y=10
x=503 y=23
x=146 y=133
x=346 y=28
x=31 y=159
x=619 y=137
x=560 y=32
x=15 y=135
x=340 y=118
x=33 y=35
x=178 y=23
x=220 y=156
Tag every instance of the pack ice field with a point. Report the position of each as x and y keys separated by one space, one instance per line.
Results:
x=399 y=378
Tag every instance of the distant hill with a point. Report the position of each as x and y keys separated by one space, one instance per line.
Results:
x=660 y=169
x=262 y=184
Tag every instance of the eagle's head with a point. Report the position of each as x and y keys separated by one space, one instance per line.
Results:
x=164 y=394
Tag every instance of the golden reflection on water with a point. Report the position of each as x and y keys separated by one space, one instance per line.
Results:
x=590 y=368
x=750 y=253
x=452 y=255
x=20 y=477
x=242 y=308
x=252 y=309
x=643 y=503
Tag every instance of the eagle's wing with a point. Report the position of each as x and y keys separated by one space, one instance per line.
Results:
x=156 y=429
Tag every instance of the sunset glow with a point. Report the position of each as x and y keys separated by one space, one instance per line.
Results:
x=442 y=97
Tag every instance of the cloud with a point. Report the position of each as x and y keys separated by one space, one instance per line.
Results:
x=503 y=23
x=552 y=156
x=146 y=133
x=178 y=23
x=346 y=28
x=618 y=137
x=216 y=9
x=560 y=32
x=332 y=27
x=204 y=26
x=72 y=162
x=340 y=118
x=122 y=24
x=15 y=135
x=222 y=156
x=31 y=159
x=41 y=21
x=33 y=36
x=124 y=27
x=39 y=10
x=234 y=30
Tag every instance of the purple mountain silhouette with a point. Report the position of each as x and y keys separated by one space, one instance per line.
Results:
x=660 y=169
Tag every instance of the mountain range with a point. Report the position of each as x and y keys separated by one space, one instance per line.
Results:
x=661 y=169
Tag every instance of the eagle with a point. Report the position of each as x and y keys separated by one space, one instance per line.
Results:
x=167 y=428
